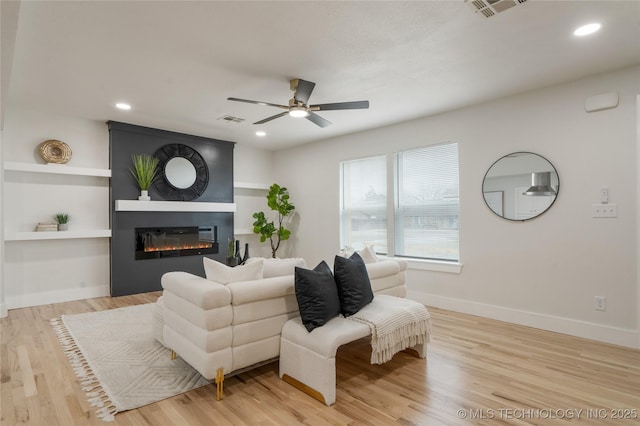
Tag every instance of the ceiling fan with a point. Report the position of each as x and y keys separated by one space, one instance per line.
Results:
x=298 y=105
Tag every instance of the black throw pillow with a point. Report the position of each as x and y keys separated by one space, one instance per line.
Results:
x=317 y=295
x=354 y=287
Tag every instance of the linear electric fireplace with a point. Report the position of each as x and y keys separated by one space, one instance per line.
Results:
x=154 y=243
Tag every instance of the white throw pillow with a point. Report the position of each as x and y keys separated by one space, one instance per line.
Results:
x=223 y=274
x=280 y=267
x=368 y=254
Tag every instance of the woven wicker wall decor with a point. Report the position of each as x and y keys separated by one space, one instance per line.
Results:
x=54 y=151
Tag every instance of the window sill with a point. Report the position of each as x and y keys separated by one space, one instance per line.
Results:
x=434 y=265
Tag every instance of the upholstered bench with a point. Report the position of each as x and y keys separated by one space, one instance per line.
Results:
x=308 y=359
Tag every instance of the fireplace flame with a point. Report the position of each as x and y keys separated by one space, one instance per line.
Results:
x=167 y=247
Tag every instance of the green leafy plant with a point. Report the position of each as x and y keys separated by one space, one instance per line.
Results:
x=62 y=218
x=278 y=201
x=231 y=246
x=145 y=170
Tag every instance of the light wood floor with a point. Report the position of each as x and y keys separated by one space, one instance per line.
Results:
x=477 y=371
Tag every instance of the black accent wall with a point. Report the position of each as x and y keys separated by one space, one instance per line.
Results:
x=131 y=276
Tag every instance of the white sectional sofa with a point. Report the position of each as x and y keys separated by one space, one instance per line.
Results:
x=236 y=325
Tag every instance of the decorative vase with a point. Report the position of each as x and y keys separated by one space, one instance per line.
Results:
x=246 y=253
x=63 y=226
x=238 y=258
x=144 y=195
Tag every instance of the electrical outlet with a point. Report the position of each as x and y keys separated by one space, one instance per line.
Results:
x=600 y=303
x=604 y=210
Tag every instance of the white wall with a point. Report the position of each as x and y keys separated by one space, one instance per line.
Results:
x=545 y=272
x=251 y=165
x=48 y=271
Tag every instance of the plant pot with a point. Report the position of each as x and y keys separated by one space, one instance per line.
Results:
x=144 y=195
x=63 y=226
x=232 y=261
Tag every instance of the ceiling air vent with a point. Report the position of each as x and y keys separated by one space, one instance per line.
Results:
x=489 y=8
x=231 y=119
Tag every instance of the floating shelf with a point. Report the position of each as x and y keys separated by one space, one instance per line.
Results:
x=59 y=169
x=57 y=235
x=250 y=185
x=172 y=206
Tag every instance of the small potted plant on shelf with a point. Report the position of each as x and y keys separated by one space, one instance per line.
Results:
x=62 y=219
x=145 y=172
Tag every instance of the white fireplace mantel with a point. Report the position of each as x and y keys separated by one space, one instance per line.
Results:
x=172 y=206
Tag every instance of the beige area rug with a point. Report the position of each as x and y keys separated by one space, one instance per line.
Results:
x=119 y=363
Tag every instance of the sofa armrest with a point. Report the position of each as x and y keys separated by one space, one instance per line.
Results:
x=384 y=268
x=267 y=288
x=202 y=292
x=402 y=263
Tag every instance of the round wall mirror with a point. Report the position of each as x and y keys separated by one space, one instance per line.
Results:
x=184 y=173
x=520 y=186
x=180 y=172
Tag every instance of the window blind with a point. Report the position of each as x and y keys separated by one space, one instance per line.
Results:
x=427 y=204
x=363 y=203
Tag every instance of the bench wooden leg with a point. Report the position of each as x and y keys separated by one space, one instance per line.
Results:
x=219 y=384
x=173 y=355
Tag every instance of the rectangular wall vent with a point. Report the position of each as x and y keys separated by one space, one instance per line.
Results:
x=489 y=8
x=231 y=119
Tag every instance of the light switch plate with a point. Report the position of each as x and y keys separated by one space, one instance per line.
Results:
x=604 y=210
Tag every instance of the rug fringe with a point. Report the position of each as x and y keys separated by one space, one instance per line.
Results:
x=96 y=395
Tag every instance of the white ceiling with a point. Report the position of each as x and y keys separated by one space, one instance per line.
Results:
x=176 y=62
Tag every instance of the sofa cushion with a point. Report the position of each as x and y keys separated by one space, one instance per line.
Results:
x=354 y=287
x=317 y=295
x=223 y=274
x=278 y=267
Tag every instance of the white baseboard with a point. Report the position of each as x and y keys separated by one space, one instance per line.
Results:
x=48 y=297
x=578 y=328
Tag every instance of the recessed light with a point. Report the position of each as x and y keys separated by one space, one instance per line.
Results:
x=123 y=106
x=587 y=29
x=261 y=133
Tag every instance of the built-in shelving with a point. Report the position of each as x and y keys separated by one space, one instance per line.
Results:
x=251 y=185
x=172 y=206
x=57 y=235
x=61 y=169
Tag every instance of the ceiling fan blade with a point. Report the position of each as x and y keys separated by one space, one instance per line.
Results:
x=340 y=105
x=303 y=91
x=273 y=117
x=316 y=119
x=257 y=103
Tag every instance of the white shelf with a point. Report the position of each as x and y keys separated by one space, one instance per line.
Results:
x=243 y=231
x=172 y=206
x=60 y=169
x=57 y=235
x=250 y=185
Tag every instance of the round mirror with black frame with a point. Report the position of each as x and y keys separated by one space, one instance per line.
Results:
x=184 y=173
x=520 y=186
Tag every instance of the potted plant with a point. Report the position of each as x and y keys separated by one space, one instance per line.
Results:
x=145 y=172
x=231 y=257
x=62 y=219
x=278 y=201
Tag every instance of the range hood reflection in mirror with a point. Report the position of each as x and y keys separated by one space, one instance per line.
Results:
x=540 y=185
x=520 y=186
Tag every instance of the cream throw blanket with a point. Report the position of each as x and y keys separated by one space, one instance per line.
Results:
x=395 y=324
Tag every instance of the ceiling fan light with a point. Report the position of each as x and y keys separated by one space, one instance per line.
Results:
x=298 y=112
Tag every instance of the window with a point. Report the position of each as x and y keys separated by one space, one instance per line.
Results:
x=427 y=205
x=363 y=203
